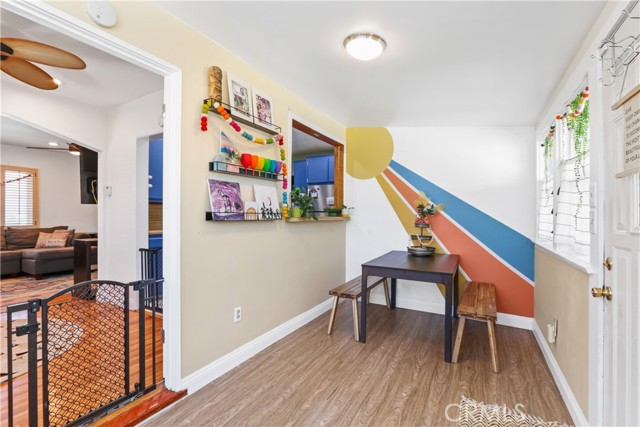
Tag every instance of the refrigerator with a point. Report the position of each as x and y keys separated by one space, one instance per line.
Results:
x=322 y=196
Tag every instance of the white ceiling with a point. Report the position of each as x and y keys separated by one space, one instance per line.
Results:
x=304 y=144
x=106 y=82
x=475 y=63
x=18 y=133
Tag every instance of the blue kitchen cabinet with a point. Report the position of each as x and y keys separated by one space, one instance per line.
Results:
x=320 y=170
x=155 y=241
x=300 y=174
x=155 y=170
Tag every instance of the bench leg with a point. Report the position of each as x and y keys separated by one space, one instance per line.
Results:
x=332 y=317
x=356 y=319
x=386 y=292
x=492 y=344
x=456 y=346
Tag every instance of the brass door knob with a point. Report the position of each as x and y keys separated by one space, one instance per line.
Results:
x=606 y=292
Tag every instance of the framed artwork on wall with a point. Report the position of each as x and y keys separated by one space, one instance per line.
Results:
x=239 y=97
x=225 y=200
x=267 y=201
x=263 y=109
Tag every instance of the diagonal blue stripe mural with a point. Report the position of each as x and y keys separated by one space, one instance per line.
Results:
x=508 y=244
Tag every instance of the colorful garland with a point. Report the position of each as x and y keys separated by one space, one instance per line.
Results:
x=569 y=112
x=206 y=107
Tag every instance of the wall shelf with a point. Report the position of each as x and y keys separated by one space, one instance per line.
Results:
x=256 y=217
x=253 y=122
x=223 y=167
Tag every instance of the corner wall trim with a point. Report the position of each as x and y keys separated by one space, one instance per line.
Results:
x=565 y=390
x=203 y=376
x=511 y=320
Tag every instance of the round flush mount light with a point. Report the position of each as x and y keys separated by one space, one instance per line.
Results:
x=364 y=46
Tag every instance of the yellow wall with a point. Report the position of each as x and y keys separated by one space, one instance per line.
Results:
x=274 y=270
x=563 y=291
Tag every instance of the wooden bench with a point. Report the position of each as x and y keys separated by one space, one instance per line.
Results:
x=353 y=290
x=478 y=303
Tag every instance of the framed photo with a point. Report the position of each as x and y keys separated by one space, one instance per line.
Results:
x=263 y=109
x=239 y=97
x=251 y=211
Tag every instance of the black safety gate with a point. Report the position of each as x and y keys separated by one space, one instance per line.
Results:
x=81 y=337
x=151 y=268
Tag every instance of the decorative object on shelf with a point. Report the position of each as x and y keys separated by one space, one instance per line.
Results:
x=333 y=211
x=231 y=153
x=263 y=109
x=302 y=204
x=220 y=165
x=219 y=107
x=267 y=200
x=250 y=211
x=206 y=105
x=226 y=203
x=215 y=83
x=345 y=210
x=419 y=243
x=239 y=97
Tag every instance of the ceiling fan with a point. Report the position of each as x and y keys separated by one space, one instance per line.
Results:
x=72 y=149
x=17 y=54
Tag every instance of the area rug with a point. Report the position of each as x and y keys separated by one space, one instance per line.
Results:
x=474 y=414
x=22 y=289
x=67 y=335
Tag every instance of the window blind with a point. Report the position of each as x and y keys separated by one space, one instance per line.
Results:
x=19 y=196
x=572 y=216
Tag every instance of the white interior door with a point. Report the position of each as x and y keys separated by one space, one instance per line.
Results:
x=622 y=244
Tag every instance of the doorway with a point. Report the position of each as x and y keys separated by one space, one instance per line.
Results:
x=58 y=21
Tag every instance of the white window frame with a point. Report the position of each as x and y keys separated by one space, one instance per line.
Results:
x=35 y=214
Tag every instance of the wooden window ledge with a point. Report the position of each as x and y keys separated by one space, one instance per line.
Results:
x=320 y=219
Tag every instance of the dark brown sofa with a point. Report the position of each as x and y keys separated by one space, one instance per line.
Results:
x=18 y=252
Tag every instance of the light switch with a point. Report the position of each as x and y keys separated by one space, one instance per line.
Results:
x=592 y=221
x=593 y=195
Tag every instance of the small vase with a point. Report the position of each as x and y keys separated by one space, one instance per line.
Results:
x=296 y=212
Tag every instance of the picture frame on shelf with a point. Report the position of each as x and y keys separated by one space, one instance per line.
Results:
x=230 y=153
x=251 y=211
x=226 y=204
x=267 y=201
x=263 y=110
x=239 y=97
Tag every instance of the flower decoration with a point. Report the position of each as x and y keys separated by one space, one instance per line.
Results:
x=425 y=208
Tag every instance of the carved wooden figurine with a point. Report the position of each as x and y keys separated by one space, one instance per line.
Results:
x=215 y=83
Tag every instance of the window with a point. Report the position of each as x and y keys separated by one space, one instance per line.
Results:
x=19 y=191
x=564 y=173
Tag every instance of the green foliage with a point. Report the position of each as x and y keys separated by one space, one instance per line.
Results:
x=304 y=201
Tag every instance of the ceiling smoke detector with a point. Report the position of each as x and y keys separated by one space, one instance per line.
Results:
x=364 y=46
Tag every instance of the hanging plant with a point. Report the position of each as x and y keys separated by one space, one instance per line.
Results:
x=577 y=120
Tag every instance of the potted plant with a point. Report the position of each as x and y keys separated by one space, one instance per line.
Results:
x=424 y=209
x=345 y=210
x=302 y=204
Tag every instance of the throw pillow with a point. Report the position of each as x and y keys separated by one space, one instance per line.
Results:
x=51 y=240
x=26 y=237
x=69 y=234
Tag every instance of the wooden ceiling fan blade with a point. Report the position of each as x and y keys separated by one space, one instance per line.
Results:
x=42 y=54
x=28 y=73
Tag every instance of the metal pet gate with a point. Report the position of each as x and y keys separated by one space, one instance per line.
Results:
x=80 y=352
x=151 y=267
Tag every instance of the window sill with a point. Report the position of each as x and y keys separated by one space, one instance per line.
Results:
x=575 y=259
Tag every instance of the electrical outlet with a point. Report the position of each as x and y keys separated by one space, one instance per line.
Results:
x=237 y=314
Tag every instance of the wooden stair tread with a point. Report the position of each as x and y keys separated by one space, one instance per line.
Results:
x=478 y=301
x=352 y=289
x=140 y=409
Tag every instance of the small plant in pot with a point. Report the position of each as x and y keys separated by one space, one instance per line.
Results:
x=424 y=209
x=302 y=204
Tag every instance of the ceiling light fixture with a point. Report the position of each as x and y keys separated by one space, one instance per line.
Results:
x=53 y=144
x=364 y=46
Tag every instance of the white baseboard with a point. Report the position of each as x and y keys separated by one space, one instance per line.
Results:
x=511 y=320
x=565 y=390
x=203 y=376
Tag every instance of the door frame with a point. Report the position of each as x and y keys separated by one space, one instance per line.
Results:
x=73 y=27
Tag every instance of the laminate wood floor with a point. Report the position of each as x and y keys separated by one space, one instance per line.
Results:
x=398 y=378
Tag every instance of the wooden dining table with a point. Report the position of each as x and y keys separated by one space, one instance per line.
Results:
x=436 y=268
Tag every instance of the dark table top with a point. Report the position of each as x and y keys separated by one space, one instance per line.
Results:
x=402 y=260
